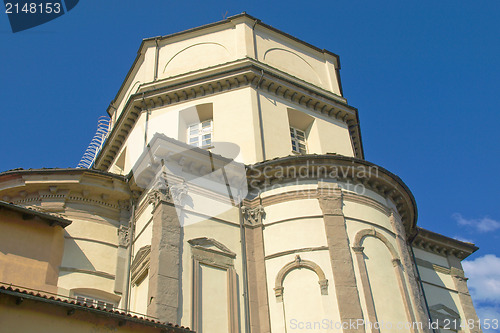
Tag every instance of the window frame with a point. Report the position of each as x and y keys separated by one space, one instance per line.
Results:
x=296 y=141
x=94 y=301
x=200 y=134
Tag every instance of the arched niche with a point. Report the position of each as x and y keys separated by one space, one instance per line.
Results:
x=365 y=276
x=296 y=264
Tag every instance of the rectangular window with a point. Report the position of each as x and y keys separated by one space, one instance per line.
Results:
x=200 y=134
x=298 y=141
x=90 y=301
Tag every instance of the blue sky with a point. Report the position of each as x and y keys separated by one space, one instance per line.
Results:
x=424 y=76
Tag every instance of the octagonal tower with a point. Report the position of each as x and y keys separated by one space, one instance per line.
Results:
x=234 y=177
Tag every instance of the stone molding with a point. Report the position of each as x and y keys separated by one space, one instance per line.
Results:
x=86 y=271
x=263 y=176
x=92 y=240
x=302 y=194
x=299 y=263
x=140 y=264
x=358 y=239
x=306 y=249
x=430 y=265
x=442 y=245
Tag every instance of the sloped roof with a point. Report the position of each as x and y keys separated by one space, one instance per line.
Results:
x=50 y=218
x=73 y=306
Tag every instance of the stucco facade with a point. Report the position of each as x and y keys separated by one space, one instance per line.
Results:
x=232 y=195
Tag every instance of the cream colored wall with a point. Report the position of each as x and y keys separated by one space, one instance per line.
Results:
x=31 y=252
x=143 y=229
x=366 y=216
x=217 y=45
x=325 y=136
x=139 y=296
x=225 y=230
x=431 y=257
x=387 y=296
x=235 y=121
x=143 y=72
x=303 y=303
x=435 y=295
x=438 y=284
x=72 y=280
x=296 y=59
x=327 y=307
x=214 y=291
x=91 y=244
x=285 y=225
x=438 y=278
x=290 y=226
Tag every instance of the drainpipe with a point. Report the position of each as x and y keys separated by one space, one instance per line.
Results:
x=261 y=124
x=157 y=52
x=259 y=108
x=244 y=267
x=126 y=292
x=145 y=105
x=418 y=276
x=254 y=39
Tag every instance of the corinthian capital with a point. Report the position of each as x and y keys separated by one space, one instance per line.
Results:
x=253 y=216
x=123 y=236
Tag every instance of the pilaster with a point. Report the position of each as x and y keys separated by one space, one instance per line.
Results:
x=256 y=269
x=417 y=297
x=164 y=269
x=346 y=289
x=460 y=281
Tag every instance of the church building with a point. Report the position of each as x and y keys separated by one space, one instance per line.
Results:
x=229 y=193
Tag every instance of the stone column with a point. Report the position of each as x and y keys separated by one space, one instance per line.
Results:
x=460 y=281
x=409 y=268
x=164 y=268
x=346 y=289
x=256 y=270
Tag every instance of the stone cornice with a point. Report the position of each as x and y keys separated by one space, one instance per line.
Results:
x=442 y=245
x=52 y=189
x=345 y=169
x=218 y=79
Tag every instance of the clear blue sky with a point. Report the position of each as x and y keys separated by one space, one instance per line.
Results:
x=423 y=74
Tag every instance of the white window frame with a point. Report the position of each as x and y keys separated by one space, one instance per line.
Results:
x=299 y=142
x=93 y=301
x=201 y=134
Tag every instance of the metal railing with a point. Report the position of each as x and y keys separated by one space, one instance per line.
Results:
x=96 y=144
